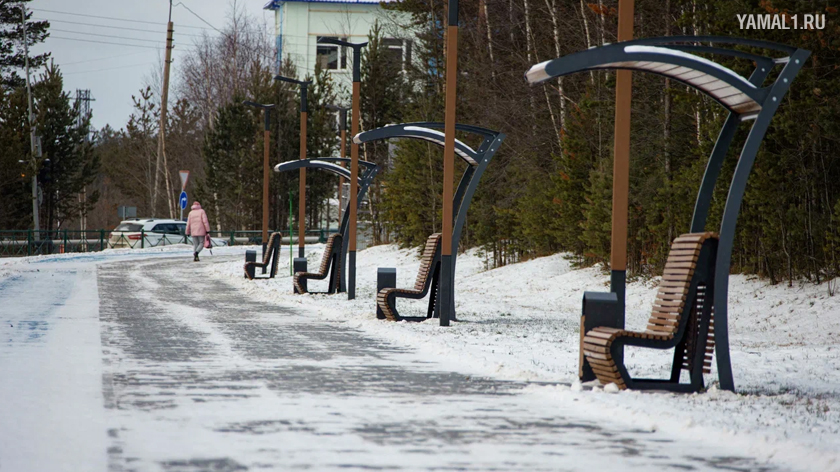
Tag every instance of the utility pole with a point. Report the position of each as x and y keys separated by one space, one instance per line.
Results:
x=83 y=100
x=164 y=99
x=447 y=298
x=354 y=160
x=32 y=147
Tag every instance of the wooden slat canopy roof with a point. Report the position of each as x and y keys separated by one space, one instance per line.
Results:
x=675 y=57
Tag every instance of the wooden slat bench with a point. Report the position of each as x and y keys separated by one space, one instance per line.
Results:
x=681 y=318
x=330 y=260
x=427 y=278
x=272 y=252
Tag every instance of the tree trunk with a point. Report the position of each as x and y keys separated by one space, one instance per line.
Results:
x=551 y=5
x=586 y=30
x=485 y=13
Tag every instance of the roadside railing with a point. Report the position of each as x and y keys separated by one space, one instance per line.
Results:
x=21 y=243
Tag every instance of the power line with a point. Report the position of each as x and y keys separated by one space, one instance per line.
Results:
x=123 y=28
x=106 y=42
x=196 y=15
x=108 y=36
x=115 y=19
x=109 y=68
x=99 y=59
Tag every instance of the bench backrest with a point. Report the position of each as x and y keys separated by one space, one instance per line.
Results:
x=328 y=249
x=268 y=251
x=668 y=309
x=432 y=245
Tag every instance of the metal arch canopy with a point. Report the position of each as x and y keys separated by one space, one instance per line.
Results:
x=669 y=57
x=329 y=164
x=426 y=132
x=756 y=102
x=324 y=163
x=478 y=159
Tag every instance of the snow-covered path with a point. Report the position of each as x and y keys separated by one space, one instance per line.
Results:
x=177 y=371
x=51 y=415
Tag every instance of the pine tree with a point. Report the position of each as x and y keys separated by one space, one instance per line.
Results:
x=233 y=161
x=12 y=56
x=72 y=163
x=383 y=90
x=15 y=178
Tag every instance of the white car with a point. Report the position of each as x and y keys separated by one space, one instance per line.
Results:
x=155 y=232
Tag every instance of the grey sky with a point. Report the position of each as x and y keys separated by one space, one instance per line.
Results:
x=112 y=72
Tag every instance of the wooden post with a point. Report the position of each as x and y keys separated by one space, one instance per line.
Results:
x=354 y=161
x=266 y=138
x=354 y=184
x=266 y=166
x=302 y=202
x=621 y=162
x=302 y=190
x=447 y=301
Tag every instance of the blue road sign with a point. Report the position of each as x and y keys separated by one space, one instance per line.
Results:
x=183 y=199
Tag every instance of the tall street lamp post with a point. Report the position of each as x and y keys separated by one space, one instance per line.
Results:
x=302 y=200
x=266 y=108
x=447 y=299
x=354 y=158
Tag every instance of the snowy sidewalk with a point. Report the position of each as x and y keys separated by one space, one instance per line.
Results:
x=194 y=374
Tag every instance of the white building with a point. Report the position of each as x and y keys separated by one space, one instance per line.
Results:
x=300 y=24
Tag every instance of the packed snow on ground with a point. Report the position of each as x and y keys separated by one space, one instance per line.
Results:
x=522 y=322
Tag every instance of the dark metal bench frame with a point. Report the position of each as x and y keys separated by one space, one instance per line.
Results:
x=476 y=159
x=677 y=51
x=270 y=257
x=365 y=179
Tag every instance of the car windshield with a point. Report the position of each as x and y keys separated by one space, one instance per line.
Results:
x=129 y=227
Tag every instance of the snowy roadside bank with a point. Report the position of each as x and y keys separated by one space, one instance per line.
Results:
x=521 y=322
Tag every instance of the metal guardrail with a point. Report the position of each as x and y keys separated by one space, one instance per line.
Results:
x=21 y=243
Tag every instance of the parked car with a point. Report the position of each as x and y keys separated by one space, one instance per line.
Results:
x=155 y=231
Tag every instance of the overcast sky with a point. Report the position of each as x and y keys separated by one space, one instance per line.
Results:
x=115 y=72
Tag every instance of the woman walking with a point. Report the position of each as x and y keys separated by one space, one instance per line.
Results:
x=197 y=226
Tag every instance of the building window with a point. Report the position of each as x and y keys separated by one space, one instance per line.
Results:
x=399 y=50
x=330 y=56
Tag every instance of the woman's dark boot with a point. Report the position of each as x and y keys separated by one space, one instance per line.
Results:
x=195 y=257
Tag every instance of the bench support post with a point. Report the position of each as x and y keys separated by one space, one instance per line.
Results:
x=351 y=276
x=600 y=309
x=386 y=277
x=434 y=298
x=445 y=294
x=300 y=266
x=264 y=248
x=275 y=248
x=250 y=256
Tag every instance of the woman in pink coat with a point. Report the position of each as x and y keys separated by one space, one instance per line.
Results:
x=197 y=227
